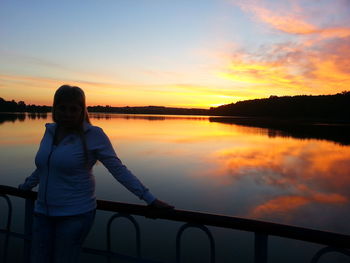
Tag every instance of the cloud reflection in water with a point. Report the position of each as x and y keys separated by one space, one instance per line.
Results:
x=301 y=173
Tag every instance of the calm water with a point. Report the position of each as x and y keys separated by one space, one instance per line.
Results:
x=198 y=164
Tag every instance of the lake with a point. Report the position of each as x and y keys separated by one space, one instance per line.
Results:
x=200 y=164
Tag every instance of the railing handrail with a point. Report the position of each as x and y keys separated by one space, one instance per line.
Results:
x=251 y=225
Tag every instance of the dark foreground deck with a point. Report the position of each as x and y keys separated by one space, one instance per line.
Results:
x=332 y=242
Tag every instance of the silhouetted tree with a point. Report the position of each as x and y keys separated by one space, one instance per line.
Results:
x=330 y=107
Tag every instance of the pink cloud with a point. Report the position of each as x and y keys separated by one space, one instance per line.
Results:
x=314 y=61
x=294 y=17
x=322 y=68
x=283 y=20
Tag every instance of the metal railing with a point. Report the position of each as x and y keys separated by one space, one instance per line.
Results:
x=333 y=242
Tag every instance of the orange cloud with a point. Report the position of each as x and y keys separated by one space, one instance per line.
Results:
x=340 y=32
x=285 y=22
x=249 y=70
x=293 y=68
x=314 y=61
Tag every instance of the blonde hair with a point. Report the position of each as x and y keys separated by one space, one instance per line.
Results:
x=73 y=93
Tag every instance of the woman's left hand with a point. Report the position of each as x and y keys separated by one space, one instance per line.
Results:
x=160 y=205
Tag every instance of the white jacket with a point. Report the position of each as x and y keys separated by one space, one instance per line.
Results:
x=66 y=183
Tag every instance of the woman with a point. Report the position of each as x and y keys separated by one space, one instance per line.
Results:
x=66 y=204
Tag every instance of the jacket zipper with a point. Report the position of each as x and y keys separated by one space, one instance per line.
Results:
x=47 y=180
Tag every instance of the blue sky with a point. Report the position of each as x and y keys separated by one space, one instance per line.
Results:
x=198 y=53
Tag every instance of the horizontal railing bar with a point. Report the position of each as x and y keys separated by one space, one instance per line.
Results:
x=287 y=231
x=9 y=190
x=14 y=234
x=116 y=255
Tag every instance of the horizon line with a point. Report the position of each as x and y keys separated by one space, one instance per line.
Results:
x=179 y=107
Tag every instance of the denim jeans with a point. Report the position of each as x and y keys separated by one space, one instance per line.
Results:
x=58 y=239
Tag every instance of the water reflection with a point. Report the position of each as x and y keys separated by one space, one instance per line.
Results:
x=12 y=117
x=108 y=116
x=34 y=115
x=338 y=133
x=20 y=116
x=295 y=174
x=207 y=166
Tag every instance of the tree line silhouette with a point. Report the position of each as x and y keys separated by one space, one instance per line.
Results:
x=13 y=106
x=148 y=110
x=323 y=107
x=21 y=106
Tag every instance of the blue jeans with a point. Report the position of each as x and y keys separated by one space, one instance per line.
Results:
x=58 y=239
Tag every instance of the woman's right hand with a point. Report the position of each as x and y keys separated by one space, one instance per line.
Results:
x=22 y=187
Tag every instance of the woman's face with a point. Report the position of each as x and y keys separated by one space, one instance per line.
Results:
x=68 y=114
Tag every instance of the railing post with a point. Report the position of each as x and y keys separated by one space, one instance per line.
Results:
x=205 y=230
x=137 y=232
x=28 y=221
x=8 y=227
x=260 y=255
x=327 y=250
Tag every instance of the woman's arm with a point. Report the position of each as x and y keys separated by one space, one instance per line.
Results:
x=106 y=154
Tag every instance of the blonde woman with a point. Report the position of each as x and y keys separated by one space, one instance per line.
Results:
x=66 y=204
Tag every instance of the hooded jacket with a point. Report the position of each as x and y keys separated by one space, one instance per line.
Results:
x=65 y=178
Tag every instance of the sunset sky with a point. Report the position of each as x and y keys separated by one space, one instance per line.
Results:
x=183 y=53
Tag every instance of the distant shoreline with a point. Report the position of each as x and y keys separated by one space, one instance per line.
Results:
x=291 y=110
